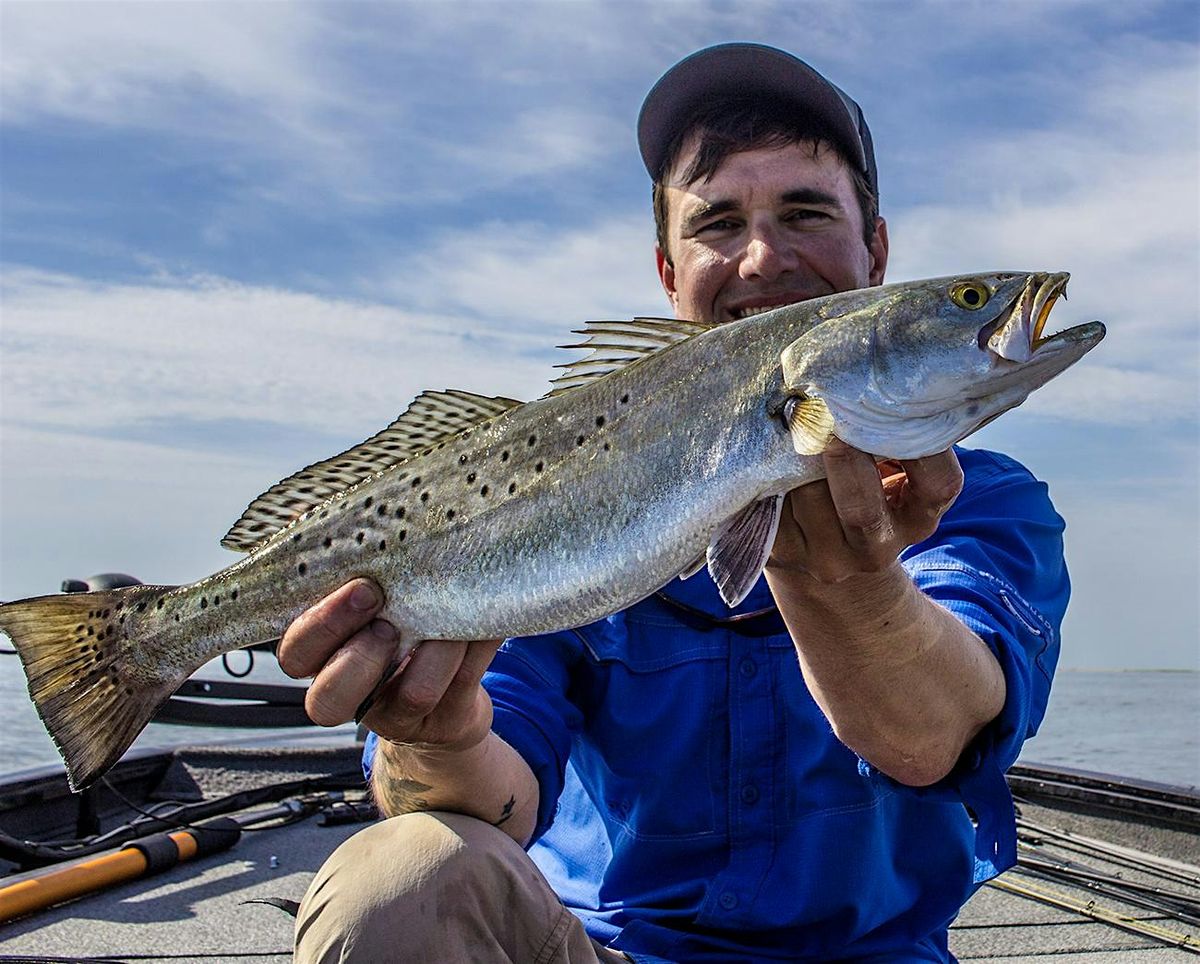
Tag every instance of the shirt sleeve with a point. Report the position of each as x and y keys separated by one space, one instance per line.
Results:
x=996 y=562
x=529 y=682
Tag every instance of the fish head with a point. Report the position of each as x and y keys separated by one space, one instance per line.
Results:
x=929 y=362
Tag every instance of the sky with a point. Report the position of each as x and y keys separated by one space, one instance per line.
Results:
x=236 y=239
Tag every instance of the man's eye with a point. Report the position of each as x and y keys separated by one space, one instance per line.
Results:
x=721 y=224
x=807 y=214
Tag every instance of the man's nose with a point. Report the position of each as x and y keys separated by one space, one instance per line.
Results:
x=767 y=255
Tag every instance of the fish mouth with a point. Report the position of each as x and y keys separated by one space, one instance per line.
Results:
x=1017 y=337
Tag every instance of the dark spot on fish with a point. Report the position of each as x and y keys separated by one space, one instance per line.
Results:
x=121 y=619
x=129 y=691
x=424 y=496
x=296 y=537
x=483 y=491
x=607 y=447
x=106 y=612
x=579 y=440
x=504 y=456
x=471 y=478
x=400 y=513
x=302 y=568
x=216 y=600
x=367 y=502
x=324 y=514
x=91 y=632
x=441 y=445
x=100 y=635
x=973 y=408
x=382 y=510
x=177 y=617
x=402 y=535
x=533 y=440
x=512 y=487
x=328 y=542
x=141 y=607
x=359 y=538
x=599 y=421
x=449 y=513
x=382 y=544
x=462 y=460
x=79 y=628
x=624 y=399
x=257 y=526
x=159 y=606
x=416 y=481
x=539 y=467
x=234 y=594
x=391 y=446
x=203 y=602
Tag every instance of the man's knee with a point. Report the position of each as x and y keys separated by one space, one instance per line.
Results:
x=407 y=875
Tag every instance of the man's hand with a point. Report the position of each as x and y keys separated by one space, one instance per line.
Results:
x=904 y=683
x=434 y=697
x=853 y=523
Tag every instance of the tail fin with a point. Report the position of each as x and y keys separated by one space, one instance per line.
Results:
x=90 y=688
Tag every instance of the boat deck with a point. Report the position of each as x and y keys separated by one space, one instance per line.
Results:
x=198 y=911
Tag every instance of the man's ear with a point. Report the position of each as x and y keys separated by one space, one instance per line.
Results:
x=666 y=274
x=878 y=250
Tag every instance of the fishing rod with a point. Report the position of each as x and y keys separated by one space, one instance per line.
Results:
x=30 y=854
x=1090 y=909
x=1163 y=867
x=143 y=857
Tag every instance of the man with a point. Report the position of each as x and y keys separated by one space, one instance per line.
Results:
x=816 y=776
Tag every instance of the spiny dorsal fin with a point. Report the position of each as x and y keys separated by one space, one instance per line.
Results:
x=431 y=418
x=615 y=344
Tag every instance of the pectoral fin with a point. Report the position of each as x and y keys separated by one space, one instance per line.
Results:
x=811 y=424
x=739 y=550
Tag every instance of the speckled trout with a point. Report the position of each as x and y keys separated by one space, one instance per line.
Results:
x=668 y=446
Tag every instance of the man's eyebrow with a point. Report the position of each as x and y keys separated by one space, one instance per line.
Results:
x=705 y=210
x=810 y=195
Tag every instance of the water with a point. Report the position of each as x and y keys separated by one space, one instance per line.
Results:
x=1134 y=723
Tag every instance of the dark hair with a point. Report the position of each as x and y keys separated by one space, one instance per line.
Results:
x=731 y=125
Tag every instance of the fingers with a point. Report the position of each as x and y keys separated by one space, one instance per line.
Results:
x=319 y=631
x=436 y=699
x=351 y=674
x=858 y=499
x=933 y=485
x=855 y=522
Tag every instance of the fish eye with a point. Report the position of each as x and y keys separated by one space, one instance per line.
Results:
x=970 y=295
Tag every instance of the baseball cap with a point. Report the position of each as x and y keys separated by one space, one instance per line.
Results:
x=746 y=69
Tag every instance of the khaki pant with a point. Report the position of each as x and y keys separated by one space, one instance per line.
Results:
x=437 y=887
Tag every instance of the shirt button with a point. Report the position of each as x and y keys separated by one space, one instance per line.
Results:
x=749 y=793
x=728 y=900
x=748 y=667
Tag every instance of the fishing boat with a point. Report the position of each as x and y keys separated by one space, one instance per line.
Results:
x=201 y=852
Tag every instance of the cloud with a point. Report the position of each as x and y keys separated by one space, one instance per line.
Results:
x=88 y=354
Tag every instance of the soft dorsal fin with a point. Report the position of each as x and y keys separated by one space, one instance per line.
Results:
x=615 y=344
x=431 y=418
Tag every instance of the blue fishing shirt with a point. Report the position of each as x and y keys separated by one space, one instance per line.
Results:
x=695 y=805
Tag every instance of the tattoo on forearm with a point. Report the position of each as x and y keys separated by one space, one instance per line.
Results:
x=506 y=812
x=404 y=795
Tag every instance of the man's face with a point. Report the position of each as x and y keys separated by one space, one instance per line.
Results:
x=772 y=227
